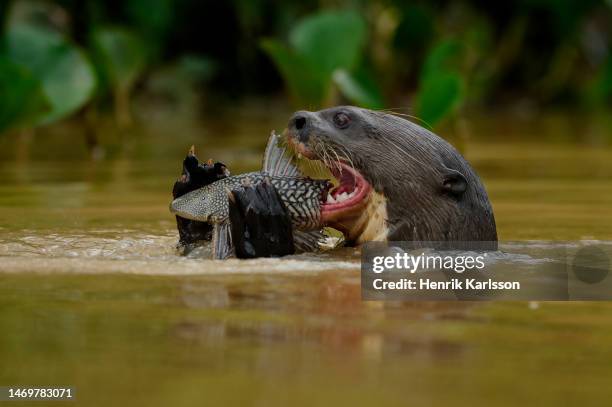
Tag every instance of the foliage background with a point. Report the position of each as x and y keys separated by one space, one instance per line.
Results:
x=71 y=59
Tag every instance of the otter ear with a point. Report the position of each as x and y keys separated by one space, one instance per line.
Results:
x=453 y=182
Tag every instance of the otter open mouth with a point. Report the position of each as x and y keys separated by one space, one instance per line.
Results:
x=349 y=196
x=344 y=201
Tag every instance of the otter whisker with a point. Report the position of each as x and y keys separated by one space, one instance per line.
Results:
x=328 y=160
x=322 y=154
x=348 y=156
x=332 y=150
x=405 y=152
x=393 y=112
x=319 y=153
x=351 y=163
x=335 y=162
x=335 y=153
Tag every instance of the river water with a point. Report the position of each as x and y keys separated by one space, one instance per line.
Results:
x=93 y=294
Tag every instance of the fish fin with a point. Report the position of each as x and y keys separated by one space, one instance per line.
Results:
x=222 y=241
x=308 y=241
x=277 y=161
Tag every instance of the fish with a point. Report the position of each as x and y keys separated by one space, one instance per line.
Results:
x=195 y=175
x=301 y=195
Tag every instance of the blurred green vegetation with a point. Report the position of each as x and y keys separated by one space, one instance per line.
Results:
x=326 y=54
x=431 y=59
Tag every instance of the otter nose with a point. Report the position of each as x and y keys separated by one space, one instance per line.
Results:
x=300 y=125
x=300 y=122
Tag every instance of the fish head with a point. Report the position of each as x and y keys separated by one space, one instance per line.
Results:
x=203 y=205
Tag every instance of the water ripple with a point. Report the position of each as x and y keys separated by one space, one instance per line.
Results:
x=127 y=251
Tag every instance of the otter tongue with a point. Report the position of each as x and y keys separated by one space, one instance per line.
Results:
x=342 y=189
x=347 y=184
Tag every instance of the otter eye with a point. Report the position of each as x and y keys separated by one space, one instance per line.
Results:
x=342 y=120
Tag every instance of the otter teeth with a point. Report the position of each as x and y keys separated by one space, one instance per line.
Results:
x=340 y=197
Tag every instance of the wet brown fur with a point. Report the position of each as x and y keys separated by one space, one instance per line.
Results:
x=407 y=166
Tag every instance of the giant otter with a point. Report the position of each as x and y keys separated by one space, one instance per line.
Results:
x=399 y=181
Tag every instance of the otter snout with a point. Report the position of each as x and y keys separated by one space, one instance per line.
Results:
x=300 y=125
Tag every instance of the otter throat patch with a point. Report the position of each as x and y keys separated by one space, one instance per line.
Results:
x=372 y=224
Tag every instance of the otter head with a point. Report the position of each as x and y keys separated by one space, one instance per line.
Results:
x=397 y=180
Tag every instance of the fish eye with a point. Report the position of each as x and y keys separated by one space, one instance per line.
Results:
x=342 y=120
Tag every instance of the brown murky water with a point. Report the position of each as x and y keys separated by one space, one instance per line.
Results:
x=93 y=295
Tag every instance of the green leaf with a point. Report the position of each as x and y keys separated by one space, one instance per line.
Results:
x=359 y=89
x=330 y=40
x=445 y=55
x=22 y=98
x=321 y=45
x=121 y=57
x=305 y=86
x=66 y=75
x=440 y=88
x=439 y=94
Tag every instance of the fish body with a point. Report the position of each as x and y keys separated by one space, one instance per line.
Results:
x=300 y=195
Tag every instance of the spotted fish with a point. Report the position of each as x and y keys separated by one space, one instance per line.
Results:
x=301 y=195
